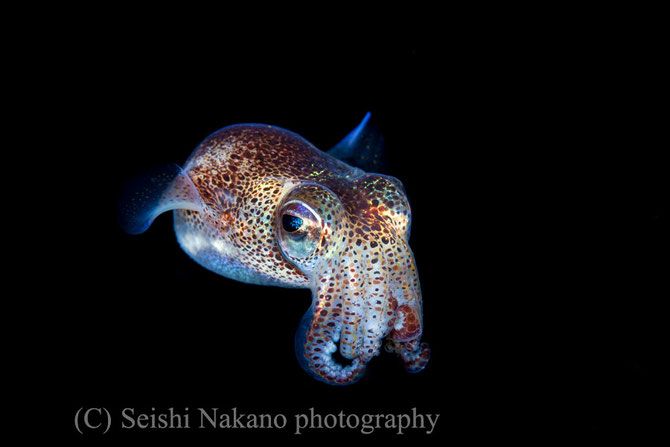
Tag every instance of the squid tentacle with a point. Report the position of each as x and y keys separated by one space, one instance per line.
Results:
x=318 y=336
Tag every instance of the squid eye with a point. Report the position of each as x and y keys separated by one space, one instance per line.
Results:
x=299 y=229
x=291 y=223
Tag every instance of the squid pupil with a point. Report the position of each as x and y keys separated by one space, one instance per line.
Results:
x=291 y=223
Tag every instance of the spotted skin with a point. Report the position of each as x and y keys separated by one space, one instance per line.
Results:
x=361 y=271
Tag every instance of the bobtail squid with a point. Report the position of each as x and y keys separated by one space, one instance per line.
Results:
x=261 y=205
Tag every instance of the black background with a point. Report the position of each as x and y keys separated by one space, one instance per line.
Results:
x=539 y=227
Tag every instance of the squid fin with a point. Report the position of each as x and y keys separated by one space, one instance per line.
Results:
x=163 y=189
x=363 y=147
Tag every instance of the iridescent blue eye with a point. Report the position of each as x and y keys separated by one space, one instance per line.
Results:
x=299 y=229
x=291 y=223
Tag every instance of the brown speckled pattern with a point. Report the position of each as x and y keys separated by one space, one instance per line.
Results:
x=362 y=272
